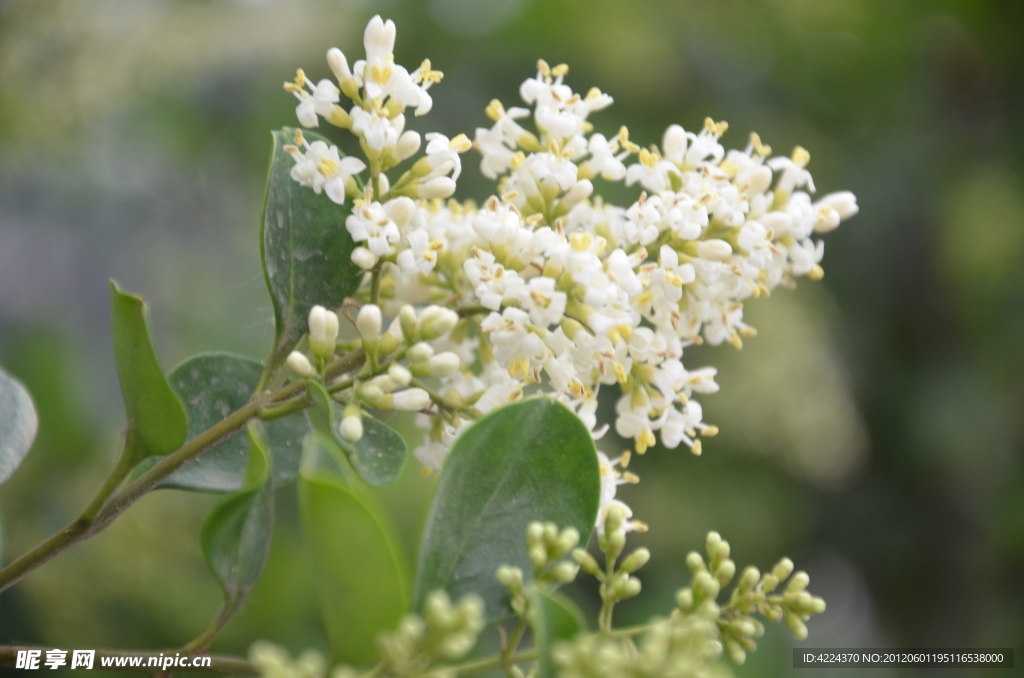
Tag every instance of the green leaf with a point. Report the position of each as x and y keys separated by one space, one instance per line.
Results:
x=532 y=460
x=307 y=252
x=377 y=457
x=554 y=617
x=18 y=424
x=212 y=386
x=362 y=575
x=236 y=534
x=156 y=419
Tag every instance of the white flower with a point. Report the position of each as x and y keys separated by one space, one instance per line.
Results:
x=321 y=169
x=545 y=304
x=372 y=225
x=378 y=131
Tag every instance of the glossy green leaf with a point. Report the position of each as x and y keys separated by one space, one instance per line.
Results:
x=18 y=424
x=236 y=534
x=377 y=457
x=156 y=419
x=532 y=460
x=362 y=575
x=306 y=249
x=212 y=386
x=554 y=618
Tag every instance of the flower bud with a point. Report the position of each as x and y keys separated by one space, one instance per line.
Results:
x=363 y=258
x=407 y=321
x=725 y=572
x=796 y=626
x=410 y=400
x=368 y=322
x=401 y=211
x=371 y=394
x=684 y=600
x=817 y=605
x=630 y=588
x=759 y=181
x=695 y=563
x=300 y=364
x=534 y=533
x=635 y=560
x=783 y=569
x=351 y=428
x=586 y=561
x=736 y=653
x=323 y=331
x=339 y=65
x=421 y=352
x=406 y=146
x=843 y=202
x=538 y=556
x=444 y=364
x=379 y=38
x=674 y=143
x=567 y=540
x=439 y=324
x=798 y=583
x=563 y=573
x=439 y=187
x=713 y=250
x=579 y=192
x=510 y=577
x=399 y=375
x=706 y=586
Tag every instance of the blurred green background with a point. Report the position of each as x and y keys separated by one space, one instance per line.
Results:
x=873 y=430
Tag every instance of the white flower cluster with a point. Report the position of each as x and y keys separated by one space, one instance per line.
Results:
x=554 y=288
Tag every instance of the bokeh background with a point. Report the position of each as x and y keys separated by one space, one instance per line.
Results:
x=873 y=430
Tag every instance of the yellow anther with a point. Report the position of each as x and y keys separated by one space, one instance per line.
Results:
x=554 y=148
x=424 y=74
x=735 y=341
x=581 y=240
x=620 y=374
x=623 y=134
x=630 y=146
x=816 y=272
x=647 y=158
x=327 y=167
x=800 y=156
x=645 y=298
x=673 y=279
x=639 y=525
x=728 y=168
x=292 y=87
x=631 y=478
x=426 y=472
x=493 y=204
x=759 y=148
x=588 y=126
x=509 y=197
x=495 y=111
x=460 y=144
x=577 y=390
x=436 y=245
x=626 y=456
x=517 y=160
x=382 y=74
x=534 y=219
x=543 y=67
x=718 y=128
x=300 y=77
x=626 y=331
x=644 y=441
x=697 y=448
x=540 y=299
x=560 y=69
x=709 y=431
x=592 y=94
x=748 y=331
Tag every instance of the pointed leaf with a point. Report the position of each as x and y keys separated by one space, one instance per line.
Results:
x=18 y=424
x=377 y=457
x=156 y=419
x=236 y=534
x=212 y=386
x=532 y=460
x=554 y=618
x=307 y=253
x=362 y=574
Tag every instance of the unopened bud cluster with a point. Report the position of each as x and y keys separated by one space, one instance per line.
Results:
x=445 y=632
x=273 y=661
x=546 y=546
x=754 y=593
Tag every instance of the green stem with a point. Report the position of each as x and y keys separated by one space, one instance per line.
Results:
x=125 y=462
x=108 y=505
x=375 y=286
x=234 y=666
x=201 y=643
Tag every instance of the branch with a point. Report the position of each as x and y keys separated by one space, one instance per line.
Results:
x=219 y=664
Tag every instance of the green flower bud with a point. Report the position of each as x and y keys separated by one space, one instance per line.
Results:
x=511 y=578
x=712 y=542
x=538 y=556
x=635 y=560
x=407 y=320
x=783 y=569
x=567 y=541
x=710 y=610
x=725 y=572
x=630 y=588
x=736 y=653
x=370 y=394
x=706 y=586
x=437 y=610
x=799 y=582
x=586 y=561
x=534 y=533
x=695 y=562
x=550 y=533
x=796 y=626
x=563 y=573
x=817 y=605
x=684 y=600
